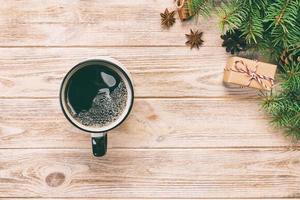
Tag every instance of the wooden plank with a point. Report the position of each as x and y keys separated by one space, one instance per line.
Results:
x=157 y=71
x=95 y=23
x=153 y=123
x=185 y=173
x=67 y=198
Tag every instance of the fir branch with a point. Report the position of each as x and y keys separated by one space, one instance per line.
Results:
x=283 y=19
x=284 y=105
x=256 y=4
x=232 y=15
x=253 y=29
x=201 y=7
x=285 y=112
x=291 y=77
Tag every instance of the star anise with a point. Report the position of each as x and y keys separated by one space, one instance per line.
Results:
x=167 y=18
x=194 y=39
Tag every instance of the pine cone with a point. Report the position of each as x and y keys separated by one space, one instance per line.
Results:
x=234 y=42
x=288 y=56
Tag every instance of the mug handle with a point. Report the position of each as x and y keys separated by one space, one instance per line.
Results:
x=99 y=144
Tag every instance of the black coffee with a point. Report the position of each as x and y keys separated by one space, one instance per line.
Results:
x=96 y=95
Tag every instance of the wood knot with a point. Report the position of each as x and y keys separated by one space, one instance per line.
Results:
x=152 y=117
x=55 y=179
x=160 y=138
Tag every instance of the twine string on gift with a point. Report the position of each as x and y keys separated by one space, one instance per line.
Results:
x=254 y=76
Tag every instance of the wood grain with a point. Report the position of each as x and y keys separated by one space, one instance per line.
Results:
x=153 y=123
x=156 y=71
x=188 y=136
x=67 y=198
x=186 y=173
x=95 y=23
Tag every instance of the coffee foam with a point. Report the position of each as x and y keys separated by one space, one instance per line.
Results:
x=106 y=107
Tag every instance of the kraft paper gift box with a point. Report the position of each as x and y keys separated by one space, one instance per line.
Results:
x=249 y=73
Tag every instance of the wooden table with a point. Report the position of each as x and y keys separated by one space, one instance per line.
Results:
x=188 y=136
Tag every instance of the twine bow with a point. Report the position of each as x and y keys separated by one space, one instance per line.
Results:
x=254 y=76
